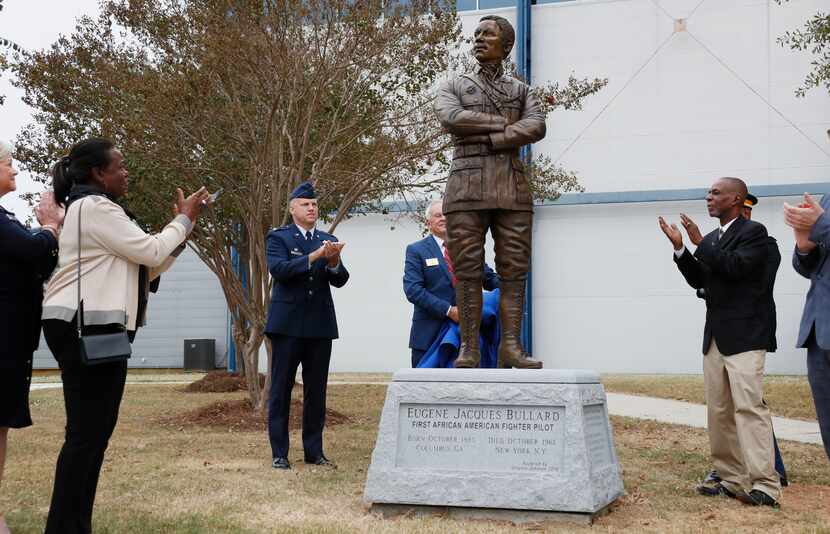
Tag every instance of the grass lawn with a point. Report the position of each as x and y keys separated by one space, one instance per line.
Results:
x=787 y=396
x=160 y=478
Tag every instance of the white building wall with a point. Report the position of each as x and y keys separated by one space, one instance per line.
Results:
x=698 y=108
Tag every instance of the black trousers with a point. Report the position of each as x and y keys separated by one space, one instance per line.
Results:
x=416 y=357
x=288 y=353
x=92 y=396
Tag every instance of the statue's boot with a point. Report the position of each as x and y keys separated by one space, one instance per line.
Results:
x=511 y=309
x=468 y=299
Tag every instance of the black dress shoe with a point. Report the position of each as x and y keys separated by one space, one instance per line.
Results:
x=715 y=490
x=280 y=463
x=712 y=478
x=759 y=498
x=784 y=482
x=321 y=460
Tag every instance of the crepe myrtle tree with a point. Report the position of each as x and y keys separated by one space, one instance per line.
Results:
x=813 y=37
x=254 y=97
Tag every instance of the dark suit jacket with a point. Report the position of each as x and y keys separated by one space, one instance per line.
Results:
x=816 y=267
x=301 y=304
x=732 y=271
x=26 y=261
x=773 y=262
x=429 y=288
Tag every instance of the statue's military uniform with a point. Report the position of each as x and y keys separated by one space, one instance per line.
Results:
x=490 y=119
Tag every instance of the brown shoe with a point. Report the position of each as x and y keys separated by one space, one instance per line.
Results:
x=511 y=310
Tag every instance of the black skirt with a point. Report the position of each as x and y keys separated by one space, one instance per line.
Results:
x=14 y=395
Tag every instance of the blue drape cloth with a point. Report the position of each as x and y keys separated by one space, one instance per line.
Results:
x=444 y=350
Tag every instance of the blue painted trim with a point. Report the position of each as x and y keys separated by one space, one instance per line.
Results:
x=231 y=343
x=523 y=55
x=624 y=197
x=670 y=195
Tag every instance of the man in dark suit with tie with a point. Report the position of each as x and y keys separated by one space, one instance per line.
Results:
x=304 y=262
x=429 y=283
x=730 y=265
x=773 y=262
x=811 y=224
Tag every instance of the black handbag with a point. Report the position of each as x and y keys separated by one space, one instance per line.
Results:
x=99 y=348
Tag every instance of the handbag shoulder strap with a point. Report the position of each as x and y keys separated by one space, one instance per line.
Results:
x=80 y=312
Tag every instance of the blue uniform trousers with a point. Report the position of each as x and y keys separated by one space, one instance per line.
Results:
x=288 y=353
x=818 y=374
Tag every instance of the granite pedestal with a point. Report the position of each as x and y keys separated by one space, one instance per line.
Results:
x=494 y=440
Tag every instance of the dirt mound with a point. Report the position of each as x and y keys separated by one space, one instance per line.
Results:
x=237 y=416
x=221 y=382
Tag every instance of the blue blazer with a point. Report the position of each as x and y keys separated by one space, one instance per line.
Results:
x=26 y=261
x=429 y=288
x=816 y=267
x=301 y=304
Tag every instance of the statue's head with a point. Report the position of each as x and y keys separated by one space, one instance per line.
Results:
x=493 y=39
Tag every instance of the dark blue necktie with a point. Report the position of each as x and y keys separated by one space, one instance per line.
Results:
x=308 y=235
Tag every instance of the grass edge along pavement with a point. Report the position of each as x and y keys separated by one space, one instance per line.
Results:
x=191 y=479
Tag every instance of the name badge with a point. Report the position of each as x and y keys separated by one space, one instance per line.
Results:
x=296 y=252
x=432 y=262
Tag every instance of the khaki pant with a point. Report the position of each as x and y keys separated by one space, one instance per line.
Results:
x=740 y=424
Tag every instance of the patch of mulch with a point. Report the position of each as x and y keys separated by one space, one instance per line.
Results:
x=237 y=416
x=221 y=382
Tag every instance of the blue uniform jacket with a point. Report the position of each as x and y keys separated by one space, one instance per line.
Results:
x=301 y=304
x=428 y=286
x=816 y=267
x=26 y=261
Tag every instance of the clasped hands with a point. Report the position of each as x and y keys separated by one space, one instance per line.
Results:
x=674 y=235
x=330 y=251
x=801 y=219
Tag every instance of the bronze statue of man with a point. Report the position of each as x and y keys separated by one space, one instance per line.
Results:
x=490 y=116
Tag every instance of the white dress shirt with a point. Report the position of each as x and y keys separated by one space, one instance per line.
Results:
x=723 y=230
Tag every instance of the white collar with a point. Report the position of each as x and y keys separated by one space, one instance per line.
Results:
x=439 y=241
x=726 y=226
x=303 y=230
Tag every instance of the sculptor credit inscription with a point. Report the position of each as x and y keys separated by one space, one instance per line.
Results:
x=481 y=437
x=596 y=435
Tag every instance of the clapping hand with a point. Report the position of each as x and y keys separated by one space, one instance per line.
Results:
x=803 y=216
x=48 y=213
x=672 y=232
x=331 y=251
x=192 y=205
x=801 y=219
x=691 y=229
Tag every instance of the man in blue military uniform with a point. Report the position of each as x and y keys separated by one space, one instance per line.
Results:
x=304 y=262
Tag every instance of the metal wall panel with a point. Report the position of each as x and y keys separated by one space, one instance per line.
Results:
x=189 y=305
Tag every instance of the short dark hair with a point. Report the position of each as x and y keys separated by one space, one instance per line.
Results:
x=76 y=168
x=508 y=34
x=738 y=185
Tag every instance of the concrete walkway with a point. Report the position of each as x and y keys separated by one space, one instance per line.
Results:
x=689 y=414
x=662 y=410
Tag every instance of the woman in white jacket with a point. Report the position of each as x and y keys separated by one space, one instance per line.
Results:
x=118 y=260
